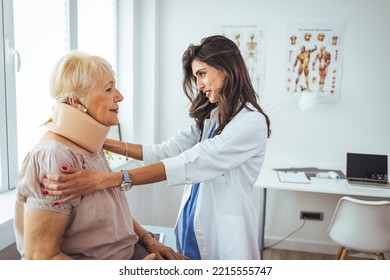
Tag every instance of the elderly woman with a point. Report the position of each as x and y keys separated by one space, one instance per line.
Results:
x=95 y=226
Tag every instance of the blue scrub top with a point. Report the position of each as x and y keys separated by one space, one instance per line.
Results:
x=188 y=239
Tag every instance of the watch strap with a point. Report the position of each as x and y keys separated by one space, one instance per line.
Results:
x=126 y=176
x=126 y=184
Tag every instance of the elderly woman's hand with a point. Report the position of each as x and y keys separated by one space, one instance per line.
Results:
x=162 y=252
x=150 y=257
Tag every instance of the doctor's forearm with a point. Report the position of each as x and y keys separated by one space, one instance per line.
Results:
x=148 y=174
x=118 y=147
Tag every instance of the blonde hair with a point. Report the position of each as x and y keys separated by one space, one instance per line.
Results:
x=75 y=76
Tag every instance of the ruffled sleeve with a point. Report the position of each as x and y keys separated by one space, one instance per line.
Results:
x=46 y=157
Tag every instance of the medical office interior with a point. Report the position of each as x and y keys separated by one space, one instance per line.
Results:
x=149 y=39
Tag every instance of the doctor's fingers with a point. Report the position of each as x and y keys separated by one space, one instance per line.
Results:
x=55 y=187
x=67 y=177
x=68 y=193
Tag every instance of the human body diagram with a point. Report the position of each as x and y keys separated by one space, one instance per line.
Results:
x=324 y=58
x=313 y=61
x=303 y=59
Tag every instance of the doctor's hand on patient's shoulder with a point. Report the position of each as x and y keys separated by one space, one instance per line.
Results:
x=162 y=252
x=73 y=182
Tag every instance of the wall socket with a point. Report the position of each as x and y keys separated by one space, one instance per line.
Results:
x=317 y=216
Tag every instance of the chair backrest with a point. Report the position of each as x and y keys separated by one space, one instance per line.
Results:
x=361 y=225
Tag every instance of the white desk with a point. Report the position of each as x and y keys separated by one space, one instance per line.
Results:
x=268 y=179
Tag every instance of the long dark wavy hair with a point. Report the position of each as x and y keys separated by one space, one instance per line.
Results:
x=222 y=54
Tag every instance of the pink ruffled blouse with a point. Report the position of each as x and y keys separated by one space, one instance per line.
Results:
x=100 y=224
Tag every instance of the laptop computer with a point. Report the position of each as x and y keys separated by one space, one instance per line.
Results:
x=367 y=169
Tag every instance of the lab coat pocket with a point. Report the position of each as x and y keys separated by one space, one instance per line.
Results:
x=231 y=237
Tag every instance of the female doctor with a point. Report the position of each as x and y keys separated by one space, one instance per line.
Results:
x=218 y=157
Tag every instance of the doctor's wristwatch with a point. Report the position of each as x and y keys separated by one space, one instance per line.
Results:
x=126 y=184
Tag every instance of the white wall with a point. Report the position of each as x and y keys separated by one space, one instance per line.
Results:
x=318 y=137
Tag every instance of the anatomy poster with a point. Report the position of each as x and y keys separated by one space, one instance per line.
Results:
x=314 y=59
x=250 y=38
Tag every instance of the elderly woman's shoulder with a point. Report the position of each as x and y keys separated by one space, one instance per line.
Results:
x=47 y=149
x=52 y=145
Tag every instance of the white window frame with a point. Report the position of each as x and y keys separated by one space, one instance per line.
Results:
x=9 y=162
x=3 y=131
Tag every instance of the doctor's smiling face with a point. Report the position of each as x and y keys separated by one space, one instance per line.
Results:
x=209 y=80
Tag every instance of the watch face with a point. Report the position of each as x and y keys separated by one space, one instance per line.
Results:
x=125 y=186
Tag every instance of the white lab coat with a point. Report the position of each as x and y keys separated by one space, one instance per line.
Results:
x=227 y=167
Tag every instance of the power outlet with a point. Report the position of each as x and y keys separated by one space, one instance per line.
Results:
x=317 y=216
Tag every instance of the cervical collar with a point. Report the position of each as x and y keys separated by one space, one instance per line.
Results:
x=77 y=126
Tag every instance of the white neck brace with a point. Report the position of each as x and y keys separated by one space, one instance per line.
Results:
x=78 y=127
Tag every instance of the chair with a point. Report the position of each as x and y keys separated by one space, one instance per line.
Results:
x=362 y=226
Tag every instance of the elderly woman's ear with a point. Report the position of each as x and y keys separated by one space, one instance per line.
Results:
x=77 y=104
